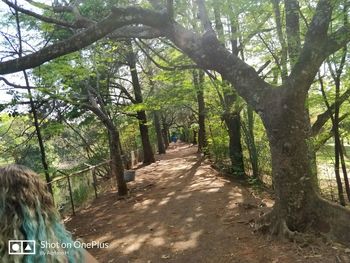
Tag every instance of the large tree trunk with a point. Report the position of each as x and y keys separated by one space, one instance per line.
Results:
x=116 y=165
x=232 y=120
x=165 y=135
x=298 y=206
x=158 y=128
x=165 y=131
x=148 y=155
x=117 y=168
x=194 y=139
x=233 y=124
x=290 y=166
x=198 y=80
x=253 y=153
x=202 y=141
x=231 y=115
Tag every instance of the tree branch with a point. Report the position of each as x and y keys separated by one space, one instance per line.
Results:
x=170 y=8
x=80 y=21
x=324 y=117
x=15 y=85
x=337 y=40
x=292 y=29
x=203 y=16
x=124 y=90
x=142 y=32
x=172 y=68
x=40 y=17
x=210 y=54
x=312 y=54
x=117 y=19
x=205 y=50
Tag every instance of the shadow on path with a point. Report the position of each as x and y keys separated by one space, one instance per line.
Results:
x=179 y=210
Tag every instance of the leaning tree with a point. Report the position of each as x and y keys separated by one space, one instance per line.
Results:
x=282 y=108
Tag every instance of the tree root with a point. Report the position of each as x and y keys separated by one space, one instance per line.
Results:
x=274 y=225
x=277 y=226
x=332 y=220
x=322 y=219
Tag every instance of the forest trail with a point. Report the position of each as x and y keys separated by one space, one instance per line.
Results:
x=182 y=210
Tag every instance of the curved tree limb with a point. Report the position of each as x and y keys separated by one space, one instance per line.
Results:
x=8 y=83
x=337 y=40
x=168 y=68
x=205 y=49
x=117 y=19
x=324 y=117
x=40 y=17
x=142 y=32
x=312 y=54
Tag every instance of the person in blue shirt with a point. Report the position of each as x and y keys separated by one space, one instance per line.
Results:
x=174 y=137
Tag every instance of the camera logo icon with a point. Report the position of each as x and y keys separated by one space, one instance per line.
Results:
x=21 y=247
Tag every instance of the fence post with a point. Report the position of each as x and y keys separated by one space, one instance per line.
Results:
x=71 y=194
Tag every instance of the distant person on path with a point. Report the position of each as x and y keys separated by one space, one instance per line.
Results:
x=27 y=212
x=174 y=137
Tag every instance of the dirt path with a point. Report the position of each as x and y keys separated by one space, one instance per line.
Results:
x=181 y=210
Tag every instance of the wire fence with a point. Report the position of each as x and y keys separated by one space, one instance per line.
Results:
x=73 y=190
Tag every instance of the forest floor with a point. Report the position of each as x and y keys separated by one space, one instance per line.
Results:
x=182 y=210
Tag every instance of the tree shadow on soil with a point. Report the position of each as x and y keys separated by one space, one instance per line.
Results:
x=179 y=210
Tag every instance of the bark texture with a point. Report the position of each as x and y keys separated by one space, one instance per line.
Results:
x=198 y=80
x=96 y=105
x=233 y=124
x=148 y=155
x=165 y=131
x=231 y=115
x=158 y=128
x=117 y=168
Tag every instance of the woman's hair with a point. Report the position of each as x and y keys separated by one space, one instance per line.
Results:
x=27 y=212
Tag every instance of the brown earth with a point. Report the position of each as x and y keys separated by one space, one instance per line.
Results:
x=182 y=210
